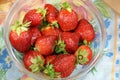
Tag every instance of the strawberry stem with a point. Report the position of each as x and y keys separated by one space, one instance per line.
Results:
x=60 y=47
x=49 y=70
x=20 y=27
x=86 y=42
x=42 y=11
x=55 y=24
x=66 y=6
x=81 y=57
x=37 y=64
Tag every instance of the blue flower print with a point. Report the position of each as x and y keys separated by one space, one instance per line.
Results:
x=117 y=61
x=119 y=48
x=119 y=26
x=109 y=37
x=109 y=54
x=117 y=75
x=107 y=23
x=5 y=60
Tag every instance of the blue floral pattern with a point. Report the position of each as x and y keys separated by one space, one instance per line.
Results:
x=5 y=60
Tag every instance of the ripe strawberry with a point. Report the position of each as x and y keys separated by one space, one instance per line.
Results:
x=67 y=43
x=62 y=66
x=45 y=44
x=83 y=54
x=68 y=72
x=50 y=59
x=52 y=13
x=20 y=37
x=34 y=16
x=35 y=34
x=49 y=30
x=67 y=18
x=71 y=40
x=33 y=61
x=85 y=30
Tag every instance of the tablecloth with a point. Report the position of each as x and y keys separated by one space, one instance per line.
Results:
x=108 y=67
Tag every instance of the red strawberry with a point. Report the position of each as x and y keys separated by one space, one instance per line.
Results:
x=50 y=59
x=45 y=44
x=49 y=30
x=67 y=18
x=35 y=34
x=52 y=13
x=67 y=43
x=83 y=54
x=20 y=37
x=34 y=16
x=62 y=66
x=71 y=40
x=33 y=61
x=68 y=72
x=85 y=30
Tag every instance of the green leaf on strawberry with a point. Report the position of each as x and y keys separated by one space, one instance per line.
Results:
x=82 y=57
x=60 y=47
x=66 y=6
x=20 y=27
x=37 y=64
x=55 y=24
x=42 y=11
x=49 y=70
x=86 y=42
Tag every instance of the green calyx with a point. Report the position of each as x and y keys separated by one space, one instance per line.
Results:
x=20 y=27
x=55 y=24
x=42 y=11
x=49 y=70
x=60 y=47
x=86 y=42
x=66 y=6
x=82 y=57
x=37 y=64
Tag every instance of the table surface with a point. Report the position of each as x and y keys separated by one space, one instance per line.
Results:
x=108 y=67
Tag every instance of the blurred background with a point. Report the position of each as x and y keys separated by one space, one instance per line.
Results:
x=4 y=7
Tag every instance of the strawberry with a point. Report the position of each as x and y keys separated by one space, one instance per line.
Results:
x=52 y=13
x=67 y=17
x=62 y=66
x=50 y=59
x=33 y=61
x=45 y=44
x=35 y=16
x=50 y=30
x=68 y=72
x=67 y=43
x=85 y=30
x=20 y=37
x=83 y=55
x=71 y=40
x=35 y=34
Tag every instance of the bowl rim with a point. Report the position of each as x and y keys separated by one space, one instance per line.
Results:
x=95 y=61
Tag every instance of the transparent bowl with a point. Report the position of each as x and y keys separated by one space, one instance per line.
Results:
x=84 y=8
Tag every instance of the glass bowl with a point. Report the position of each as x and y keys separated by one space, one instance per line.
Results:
x=84 y=8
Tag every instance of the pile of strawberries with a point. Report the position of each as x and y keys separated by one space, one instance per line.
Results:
x=53 y=41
